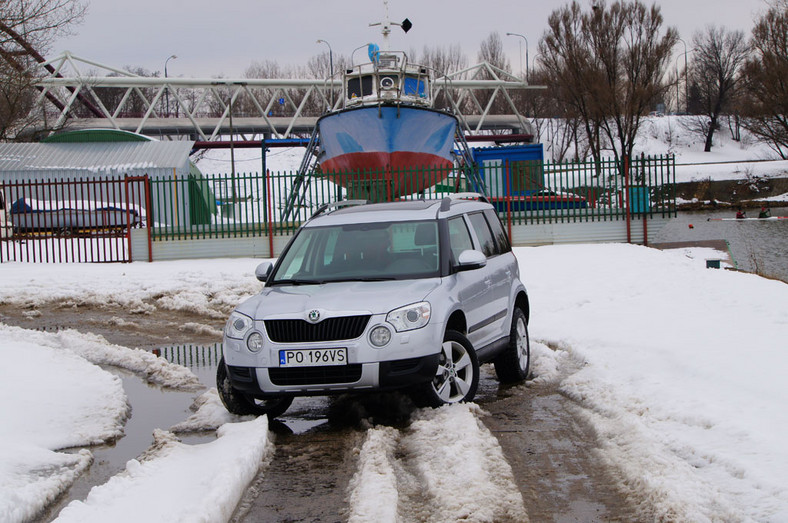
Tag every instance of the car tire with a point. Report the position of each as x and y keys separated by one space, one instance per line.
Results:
x=243 y=404
x=457 y=376
x=513 y=363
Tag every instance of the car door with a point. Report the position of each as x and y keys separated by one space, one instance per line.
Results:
x=472 y=286
x=497 y=276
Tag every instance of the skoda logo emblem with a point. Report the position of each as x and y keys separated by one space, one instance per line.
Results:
x=314 y=316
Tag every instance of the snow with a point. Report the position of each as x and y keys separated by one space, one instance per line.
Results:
x=679 y=368
x=202 y=482
x=43 y=410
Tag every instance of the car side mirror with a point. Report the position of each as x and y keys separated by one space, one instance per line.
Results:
x=263 y=271
x=470 y=260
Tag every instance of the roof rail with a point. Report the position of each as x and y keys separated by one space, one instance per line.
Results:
x=337 y=205
x=447 y=200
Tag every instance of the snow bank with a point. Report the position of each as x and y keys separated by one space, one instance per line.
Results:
x=209 y=414
x=174 y=286
x=682 y=375
x=373 y=489
x=51 y=399
x=178 y=482
x=97 y=350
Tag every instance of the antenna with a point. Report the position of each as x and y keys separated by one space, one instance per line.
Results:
x=386 y=24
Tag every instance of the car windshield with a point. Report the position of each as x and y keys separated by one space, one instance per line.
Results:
x=360 y=252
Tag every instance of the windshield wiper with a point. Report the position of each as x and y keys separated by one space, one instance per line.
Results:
x=297 y=281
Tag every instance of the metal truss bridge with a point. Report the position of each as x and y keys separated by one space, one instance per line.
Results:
x=79 y=93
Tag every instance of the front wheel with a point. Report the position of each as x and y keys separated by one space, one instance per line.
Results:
x=512 y=364
x=457 y=376
x=243 y=404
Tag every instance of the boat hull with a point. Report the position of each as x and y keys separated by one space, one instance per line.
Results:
x=408 y=147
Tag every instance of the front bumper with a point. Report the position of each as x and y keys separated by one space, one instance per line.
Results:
x=318 y=381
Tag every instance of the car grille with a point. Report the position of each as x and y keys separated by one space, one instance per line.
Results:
x=300 y=331
x=315 y=375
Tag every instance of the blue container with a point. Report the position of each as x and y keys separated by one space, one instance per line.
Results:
x=639 y=200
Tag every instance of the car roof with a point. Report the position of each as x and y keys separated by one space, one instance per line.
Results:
x=407 y=210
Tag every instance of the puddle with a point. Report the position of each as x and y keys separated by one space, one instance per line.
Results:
x=151 y=407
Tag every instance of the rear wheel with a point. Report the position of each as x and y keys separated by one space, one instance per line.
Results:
x=457 y=376
x=512 y=364
x=243 y=404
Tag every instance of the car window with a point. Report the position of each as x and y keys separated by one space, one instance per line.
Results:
x=501 y=238
x=483 y=233
x=459 y=237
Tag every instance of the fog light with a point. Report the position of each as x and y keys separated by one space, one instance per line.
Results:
x=379 y=336
x=255 y=342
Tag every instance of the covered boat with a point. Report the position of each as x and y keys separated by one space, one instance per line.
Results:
x=387 y=126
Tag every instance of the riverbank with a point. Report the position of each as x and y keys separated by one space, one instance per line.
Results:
x=747 y=193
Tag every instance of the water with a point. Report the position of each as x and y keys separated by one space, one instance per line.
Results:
x=760 y=247
x=152 y=407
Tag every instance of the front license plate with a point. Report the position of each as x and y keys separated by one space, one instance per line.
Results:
x=312 y=357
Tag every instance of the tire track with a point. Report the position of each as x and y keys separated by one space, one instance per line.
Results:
x=445 y=466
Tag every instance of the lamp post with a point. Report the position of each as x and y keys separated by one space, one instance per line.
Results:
x=166 y=89
x=521 y=54
x=686 y=77
x=331 y=67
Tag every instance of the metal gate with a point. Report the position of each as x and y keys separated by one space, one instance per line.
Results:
x=71 y=220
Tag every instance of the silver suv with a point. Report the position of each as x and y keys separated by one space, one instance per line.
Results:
x=366 y=297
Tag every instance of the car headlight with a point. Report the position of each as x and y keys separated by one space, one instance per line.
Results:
x=238 y=325
x=409 y=317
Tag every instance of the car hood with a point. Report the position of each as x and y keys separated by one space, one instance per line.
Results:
x=336 y=299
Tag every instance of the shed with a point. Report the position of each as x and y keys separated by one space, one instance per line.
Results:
x=109 y=154
x=512 y=170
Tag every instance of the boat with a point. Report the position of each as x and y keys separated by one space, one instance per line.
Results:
x=85 y=219
x=766 y=219
x=387 y=127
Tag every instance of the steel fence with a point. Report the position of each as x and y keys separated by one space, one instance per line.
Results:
x=90 y=220
x=526 y=192
x=72 y=220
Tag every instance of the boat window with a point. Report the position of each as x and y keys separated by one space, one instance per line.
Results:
x=357 y=87
x=414 y=86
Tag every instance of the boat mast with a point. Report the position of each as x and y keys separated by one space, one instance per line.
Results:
x=386 y=26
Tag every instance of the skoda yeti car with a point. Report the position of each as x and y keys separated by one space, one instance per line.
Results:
x=408 y=295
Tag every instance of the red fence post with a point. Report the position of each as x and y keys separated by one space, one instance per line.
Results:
x=626 y=198
x=268 y=212
x=509 y=200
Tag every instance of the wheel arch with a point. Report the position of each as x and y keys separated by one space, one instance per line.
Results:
x=457 y=322
x=522 y=303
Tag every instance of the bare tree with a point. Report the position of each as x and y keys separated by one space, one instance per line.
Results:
x=444 y=60
x=27 y=30
x=16 y=101
x=766 y=79
x=719 y=55
x=609 y=66
x=491 y=52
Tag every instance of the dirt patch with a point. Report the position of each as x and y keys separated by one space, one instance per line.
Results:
x=118 y=326
x=711 y=194
x=552 y=455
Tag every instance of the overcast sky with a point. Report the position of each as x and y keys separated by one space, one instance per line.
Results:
x=213 y=38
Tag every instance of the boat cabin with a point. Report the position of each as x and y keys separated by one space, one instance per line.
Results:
x=388 y=78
